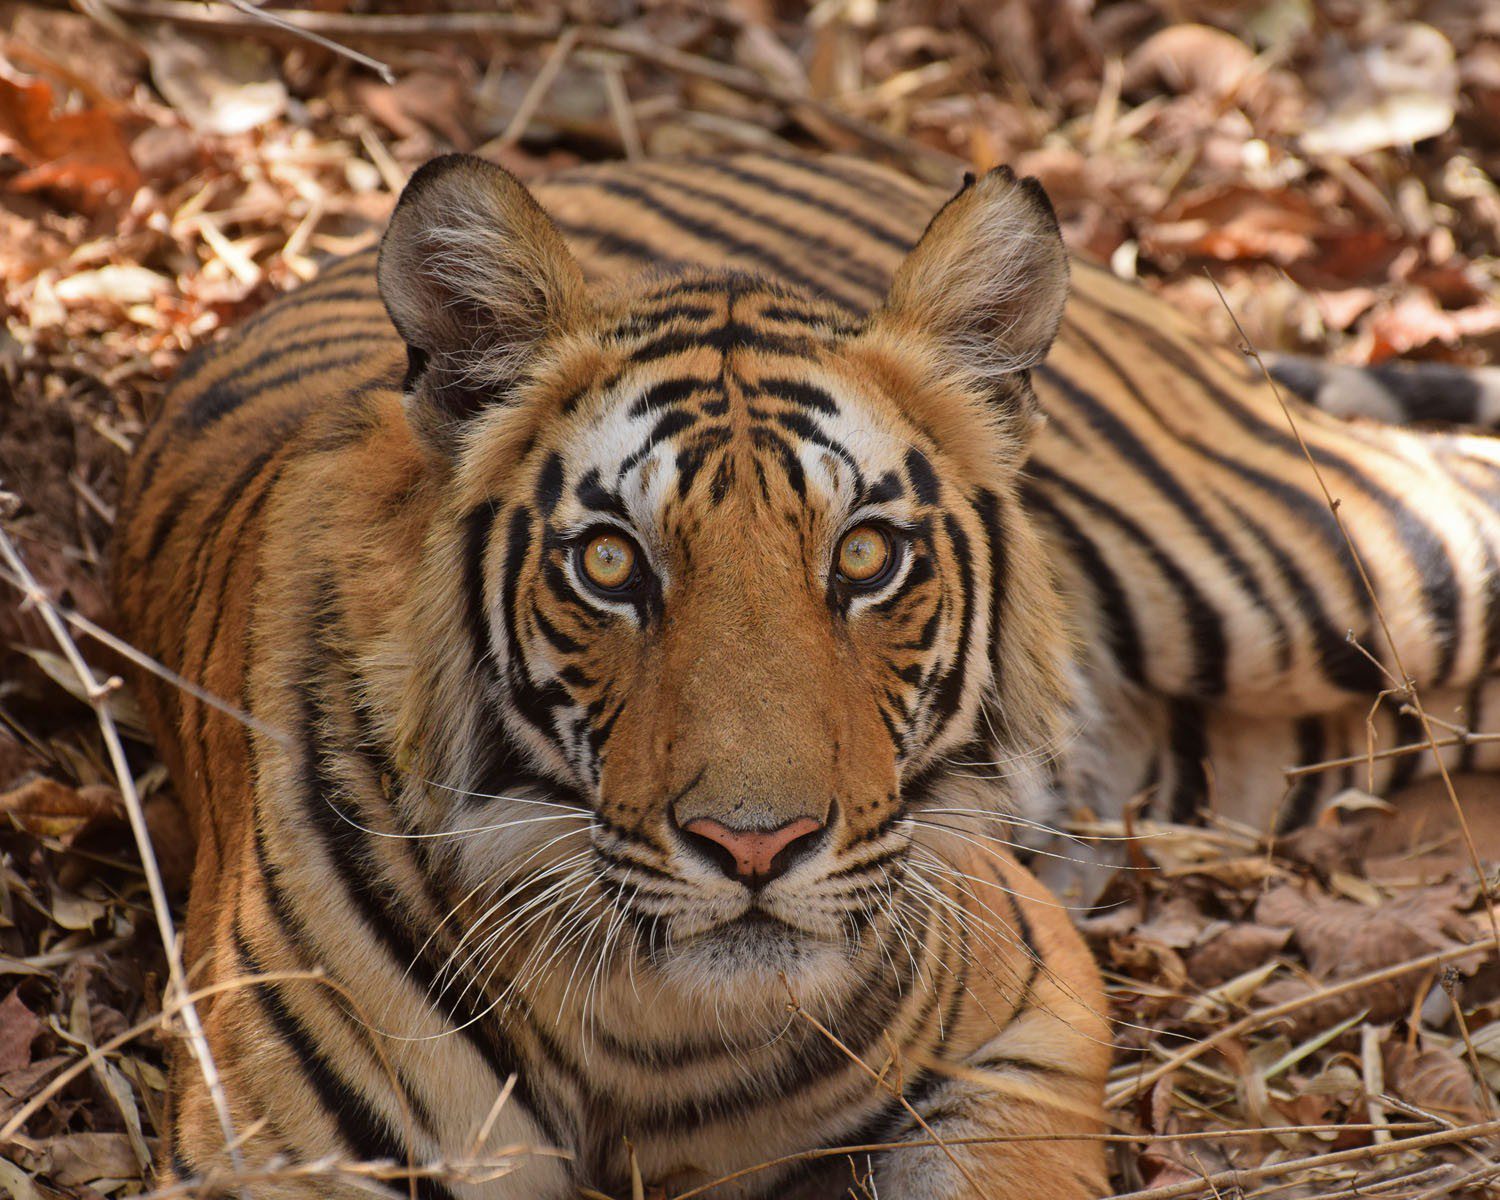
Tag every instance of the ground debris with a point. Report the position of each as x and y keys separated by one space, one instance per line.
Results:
x=1334 y=165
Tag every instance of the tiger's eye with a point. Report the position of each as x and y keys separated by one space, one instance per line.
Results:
x=609 y=561
x=863 y=554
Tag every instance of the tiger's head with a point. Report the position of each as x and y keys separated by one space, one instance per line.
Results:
x=729 y=583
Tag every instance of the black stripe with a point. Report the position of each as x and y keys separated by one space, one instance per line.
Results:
x=796 y=392
x=842 y=260
x=1426 y=550
x=477 y=524
x=721 y=238
x=1204 y=626
x=1123 y=440
x=897 y=239
x=1340 y=660
x=364 y=1130
x=1114 y=608
x=1312 y=748
x=1188 y=739
x=950 y=687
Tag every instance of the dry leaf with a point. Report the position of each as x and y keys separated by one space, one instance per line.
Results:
x=80 y=155
x=1399 y=88
x=1237 y=222
x=1327 y=847
x=19 y=1027
x=1431 y=1079
x=1342 y=939
x=1235 y=950
x=46 y=808
x=81 y=1158
x=1416 y=321
x=218 y=85
x=1191 y=58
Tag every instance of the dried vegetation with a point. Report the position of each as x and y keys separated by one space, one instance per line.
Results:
x=1299 y=1017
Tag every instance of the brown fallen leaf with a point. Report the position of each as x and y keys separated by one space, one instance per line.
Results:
x=82 y=1158
x=46 y=808
x=19 y=1027
x=1191 y=58
x=1431 y=1079
x=1327 y=846
x=1237 y=222
x=1416 y=321
x=1397 y=88
x=81 y=156
x=218 y=85
x=1342 y=939
x=1235 y=950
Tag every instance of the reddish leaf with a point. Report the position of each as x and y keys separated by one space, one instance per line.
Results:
x=79 y=155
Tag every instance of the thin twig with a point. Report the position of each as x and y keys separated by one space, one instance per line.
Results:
x=539 y=87
x=1355 y=760
x=271 y=17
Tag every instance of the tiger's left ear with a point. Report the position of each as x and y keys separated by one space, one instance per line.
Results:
x=476 y=279
x=986 y=283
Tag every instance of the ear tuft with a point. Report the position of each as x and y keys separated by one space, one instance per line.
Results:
x=988 y=280
x=475 y=278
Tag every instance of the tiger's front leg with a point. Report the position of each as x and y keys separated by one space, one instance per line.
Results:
x=1029 y=1057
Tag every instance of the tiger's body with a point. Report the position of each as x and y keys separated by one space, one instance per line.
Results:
x=357 y=543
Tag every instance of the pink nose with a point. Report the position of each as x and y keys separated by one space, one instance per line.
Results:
x=755 y=856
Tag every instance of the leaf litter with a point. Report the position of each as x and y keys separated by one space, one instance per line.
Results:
x=1333 y=164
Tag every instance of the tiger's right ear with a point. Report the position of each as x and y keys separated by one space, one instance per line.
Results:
x=476 y=279
x=985 y=287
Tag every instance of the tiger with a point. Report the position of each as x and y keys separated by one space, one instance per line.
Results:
x=635 y=623
x=583 y=655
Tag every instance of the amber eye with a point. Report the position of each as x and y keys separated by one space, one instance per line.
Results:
x=864 y=555
x=609 y=561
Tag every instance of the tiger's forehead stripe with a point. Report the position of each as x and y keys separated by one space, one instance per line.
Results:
x=705 y=382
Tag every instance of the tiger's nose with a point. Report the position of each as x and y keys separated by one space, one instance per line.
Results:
x=753 y=856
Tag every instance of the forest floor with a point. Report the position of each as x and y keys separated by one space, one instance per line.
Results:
x=1296 y=1017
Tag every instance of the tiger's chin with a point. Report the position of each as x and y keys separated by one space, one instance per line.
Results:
x=757 y=952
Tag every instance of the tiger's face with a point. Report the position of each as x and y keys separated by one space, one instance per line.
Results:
x=741 y=576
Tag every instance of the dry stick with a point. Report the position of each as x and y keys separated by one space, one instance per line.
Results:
x=272 y=18
x=936 y=166
x=619 y=107
x=1239 y=1177
x=1265 y=1015
x=556 y=59
x=1466 y=738
x=98 y=698
x=125 y=650
x=1408 y=683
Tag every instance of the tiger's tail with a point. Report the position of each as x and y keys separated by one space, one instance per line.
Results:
x=1399 y=393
